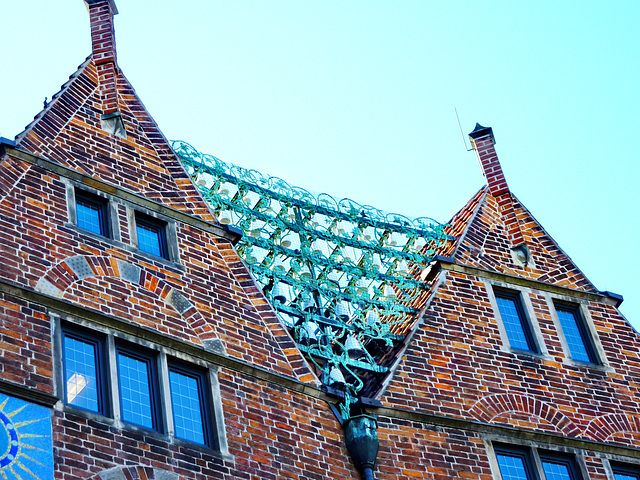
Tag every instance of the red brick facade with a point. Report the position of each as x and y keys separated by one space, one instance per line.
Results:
x=457 y=390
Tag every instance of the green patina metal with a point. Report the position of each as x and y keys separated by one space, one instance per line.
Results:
x=341 y=276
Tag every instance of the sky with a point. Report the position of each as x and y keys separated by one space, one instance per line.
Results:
x=356 y=99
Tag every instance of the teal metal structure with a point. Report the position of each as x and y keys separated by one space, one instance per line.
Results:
x=344 y=278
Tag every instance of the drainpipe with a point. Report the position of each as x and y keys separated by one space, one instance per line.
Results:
x=361 y=438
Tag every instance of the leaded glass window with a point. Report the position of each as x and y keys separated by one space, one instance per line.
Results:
x=575 y=333
x=514 y=321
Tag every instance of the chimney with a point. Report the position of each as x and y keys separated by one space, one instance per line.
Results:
x=483 y=143
x=103 y=47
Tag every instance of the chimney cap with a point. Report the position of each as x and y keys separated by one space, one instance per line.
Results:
x=112 y=4
x=481 y=131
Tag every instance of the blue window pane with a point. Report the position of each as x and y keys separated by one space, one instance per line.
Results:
x=149 y=239
x=511 y=467
x=556 y=471
x=513 y=324
x=135 y=393
x=81 y=373
x=89 y=217
x=624 y=476
x=187 y=409
x=573 y=335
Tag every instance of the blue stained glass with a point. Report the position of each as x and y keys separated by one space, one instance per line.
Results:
x=556 y=471
x=149 y=239
x=135 y=392
x=187 y=409
x=511 y=467
x=88 y=217
x=513 y=324
x=573 y=336
x=81 y=373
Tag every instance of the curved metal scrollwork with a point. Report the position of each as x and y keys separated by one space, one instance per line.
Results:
x=342 y=276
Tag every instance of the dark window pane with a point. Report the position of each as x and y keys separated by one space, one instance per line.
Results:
x=135 y=392
x=513 y=322
x=90 y=216
x=556 y=471
x=81 y=373
x=512 y=467
x=573 y=334
x=186 y=398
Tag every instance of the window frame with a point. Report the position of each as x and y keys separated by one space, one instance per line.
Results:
x=151 y=360
x=534 y=457
x=525 y=320
x=206 y=412
x=624 y=469
x=101 y=365
x=519 y=452
x=101 y=204
x=152 y=223
x=161 y=358
x=567 y=460
x=585 y=332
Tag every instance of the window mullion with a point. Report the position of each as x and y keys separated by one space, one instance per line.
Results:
x=165 y=393
x=537 y=464
x=112 y=369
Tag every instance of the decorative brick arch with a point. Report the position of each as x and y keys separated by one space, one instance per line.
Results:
x=135 y=473
x=604 y=427
x=72 y=269
x=492 y=406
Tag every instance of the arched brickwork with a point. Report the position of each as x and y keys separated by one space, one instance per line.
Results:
x=72 y=269
x=492 y=406
x=135 y=473
x=605 y=427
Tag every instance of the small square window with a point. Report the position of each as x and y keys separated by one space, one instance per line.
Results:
x=82 y=367
x=137 y=382
x=515 y=322
x=91 y=213
x=152 y=235
x=189 y=404
x=576 y=333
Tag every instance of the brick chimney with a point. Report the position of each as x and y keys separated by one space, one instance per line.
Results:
x=483 y=143
x=103 y=47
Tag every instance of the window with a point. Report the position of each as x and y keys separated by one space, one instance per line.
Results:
x=516 y=463
x=625 y=472
x=83 y=372
x=135 y=398
x=152 y=235
x=137 y=380
x=188 y=403
x=576 y=333
x=91 y=213
x=515 y=322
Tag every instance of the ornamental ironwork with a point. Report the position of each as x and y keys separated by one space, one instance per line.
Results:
x=343 y=277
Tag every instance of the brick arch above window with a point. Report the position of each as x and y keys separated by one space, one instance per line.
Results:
x=605 y=427
x=135 y=473
x=72 y=269
x=490 y=407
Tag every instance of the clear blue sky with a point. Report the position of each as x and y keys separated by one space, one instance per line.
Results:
x=355 y=98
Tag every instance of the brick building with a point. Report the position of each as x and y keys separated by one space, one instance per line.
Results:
x=138 y=342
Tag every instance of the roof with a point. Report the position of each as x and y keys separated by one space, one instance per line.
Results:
x=346 y=279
